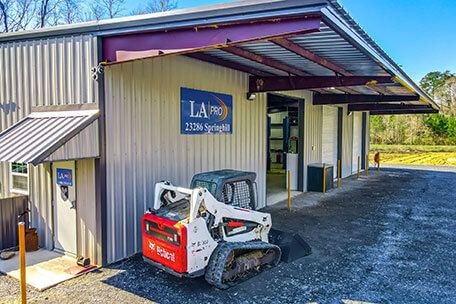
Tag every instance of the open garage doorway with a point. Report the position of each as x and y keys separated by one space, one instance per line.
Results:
x=285 y=117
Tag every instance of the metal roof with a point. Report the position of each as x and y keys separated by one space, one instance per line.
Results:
x=340 y=40
x=224 y=12
x=38 y=135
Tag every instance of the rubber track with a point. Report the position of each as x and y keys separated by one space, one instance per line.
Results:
x=216 y=265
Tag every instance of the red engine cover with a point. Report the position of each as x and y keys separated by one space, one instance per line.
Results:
x=165 y=242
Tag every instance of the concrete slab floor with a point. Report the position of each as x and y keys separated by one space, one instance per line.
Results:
x=44 y=268
x=388 y=238
x=276 y=190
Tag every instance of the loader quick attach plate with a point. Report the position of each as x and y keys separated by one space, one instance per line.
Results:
x=165 y=241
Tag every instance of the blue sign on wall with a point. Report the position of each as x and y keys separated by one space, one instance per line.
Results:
x=205 y=112
x=64 y=177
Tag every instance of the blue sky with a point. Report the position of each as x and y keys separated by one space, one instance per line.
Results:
x=420 y=35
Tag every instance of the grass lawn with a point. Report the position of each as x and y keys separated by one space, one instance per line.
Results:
x=410 y=148
x=422 y=155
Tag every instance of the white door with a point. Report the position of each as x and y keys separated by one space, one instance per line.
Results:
x=329 y=145
x=357 y=137
x=64 y=181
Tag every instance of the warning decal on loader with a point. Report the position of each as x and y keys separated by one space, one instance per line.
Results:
x=204 y=112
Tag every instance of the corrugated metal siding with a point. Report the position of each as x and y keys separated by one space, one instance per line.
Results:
x=144 y=144
x=10 y=210
x=357 y=140
x=368 y=134
x=83 y=145
x=52 y=71
x=41 y=203
x=347 y=143
x=329 y=137
x=313 y=136
x=86 y=217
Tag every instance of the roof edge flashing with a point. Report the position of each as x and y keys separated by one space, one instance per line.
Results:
x=225 y=12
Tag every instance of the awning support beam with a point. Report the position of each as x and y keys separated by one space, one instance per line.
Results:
x=401 y=112
x=228 y=64
x=264 y=60
x=301 y=51
x=328 y=99
x=284 y=83
x=386 y=107
x=267 y=61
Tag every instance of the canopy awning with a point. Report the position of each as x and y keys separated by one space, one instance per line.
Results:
x=36 y=137
x=316 y=47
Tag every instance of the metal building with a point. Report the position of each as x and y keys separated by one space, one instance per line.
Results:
x=92 y=114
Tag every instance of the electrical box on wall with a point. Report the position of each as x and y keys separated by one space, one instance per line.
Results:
x=315 y=177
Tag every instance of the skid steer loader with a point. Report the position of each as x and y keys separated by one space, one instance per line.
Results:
x=211 y=229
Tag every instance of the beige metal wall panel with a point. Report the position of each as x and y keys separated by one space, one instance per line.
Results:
x=144 y=144
x=347 y=143
x=329 y=137
x=368 y=133
x=41 y=203
x=4 y=180
x=357 y=140
x=83 y=145
x=313 y=136
x=86 y=217
x=53 y=71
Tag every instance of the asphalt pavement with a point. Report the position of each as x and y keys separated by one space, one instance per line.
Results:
x=386 y=238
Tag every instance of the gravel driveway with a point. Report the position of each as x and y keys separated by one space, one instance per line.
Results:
x=386 y=238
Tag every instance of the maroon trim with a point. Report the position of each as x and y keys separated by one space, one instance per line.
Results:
x=326 y=99
x=299 y=50
x=399 y=112
x=386 y=107
x=208 y=36
x=283 y=83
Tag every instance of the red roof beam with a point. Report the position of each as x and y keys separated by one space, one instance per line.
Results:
x=299 y=50
x=194 y=39
x=331 y=99
x=284 y=83
x=386 y=107
x=267 y=61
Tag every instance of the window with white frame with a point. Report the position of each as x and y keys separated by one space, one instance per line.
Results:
x=19 y=178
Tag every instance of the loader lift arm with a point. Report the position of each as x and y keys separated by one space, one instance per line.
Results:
x=209 y=230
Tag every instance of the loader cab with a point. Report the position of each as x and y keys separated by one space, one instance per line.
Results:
x=232 y=187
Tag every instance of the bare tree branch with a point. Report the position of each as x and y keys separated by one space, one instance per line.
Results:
x=160 y=6
x=69 y=12
x=96 y=12
x=4 y=17
x=43 y=12
x=24 y=13
x=112 y=8
x=155 y=6
x=16 y=15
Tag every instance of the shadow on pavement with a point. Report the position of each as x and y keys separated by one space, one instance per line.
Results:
x=386 y=238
